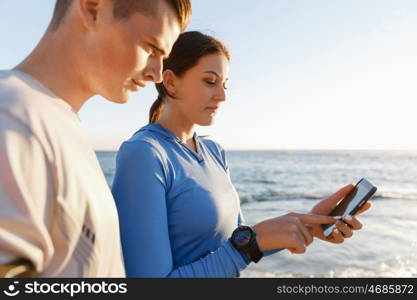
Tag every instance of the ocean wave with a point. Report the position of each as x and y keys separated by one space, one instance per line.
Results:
x=394 y=196
x=279 y=196
x=258 y=181
x=399 y=266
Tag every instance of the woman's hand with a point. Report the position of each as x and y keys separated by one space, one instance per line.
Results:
x=288 y=231
x=343 y=229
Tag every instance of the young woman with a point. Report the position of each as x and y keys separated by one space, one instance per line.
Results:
x=179 y=212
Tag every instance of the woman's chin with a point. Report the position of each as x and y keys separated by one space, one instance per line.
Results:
x=206 y=122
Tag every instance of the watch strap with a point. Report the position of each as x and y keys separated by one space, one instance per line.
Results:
x=251 y=249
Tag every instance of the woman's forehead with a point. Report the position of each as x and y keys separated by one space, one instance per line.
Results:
x=216 y=64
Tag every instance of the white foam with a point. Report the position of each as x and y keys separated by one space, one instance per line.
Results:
x=397 y=267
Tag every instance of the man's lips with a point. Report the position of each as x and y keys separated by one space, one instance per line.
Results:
x=138 y=83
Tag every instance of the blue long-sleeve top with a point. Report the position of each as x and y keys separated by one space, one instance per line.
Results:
x=177 y=207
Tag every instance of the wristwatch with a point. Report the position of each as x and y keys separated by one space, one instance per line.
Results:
x=244 y=239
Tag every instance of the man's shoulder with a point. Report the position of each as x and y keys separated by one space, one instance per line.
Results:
x=9 y=89
x=28 y=102
x=17 y=98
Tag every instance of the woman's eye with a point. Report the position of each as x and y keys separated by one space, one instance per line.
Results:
x=210 y=82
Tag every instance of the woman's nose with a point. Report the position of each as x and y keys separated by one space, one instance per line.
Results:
x=220 y=94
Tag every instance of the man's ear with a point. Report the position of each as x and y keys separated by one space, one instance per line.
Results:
x=170 y=81
x=88 y=11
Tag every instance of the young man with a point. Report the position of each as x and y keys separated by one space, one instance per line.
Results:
x=56 y=210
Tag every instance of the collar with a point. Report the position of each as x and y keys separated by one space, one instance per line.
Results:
x=165 y=132
x=153 y=127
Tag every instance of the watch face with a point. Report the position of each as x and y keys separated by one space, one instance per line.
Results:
x=242 y=237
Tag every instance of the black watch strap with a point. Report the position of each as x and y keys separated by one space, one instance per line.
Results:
x=249 y=248
x=253 y=251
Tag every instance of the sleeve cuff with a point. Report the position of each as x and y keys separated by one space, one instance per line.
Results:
x=270 y=252
x=240 y=259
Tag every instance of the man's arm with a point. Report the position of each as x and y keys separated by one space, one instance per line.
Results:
x=26 y=195
x=18 y=268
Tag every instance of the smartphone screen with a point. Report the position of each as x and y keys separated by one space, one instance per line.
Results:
x=362 y=192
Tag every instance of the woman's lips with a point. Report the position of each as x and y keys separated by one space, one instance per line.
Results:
x=213 y=109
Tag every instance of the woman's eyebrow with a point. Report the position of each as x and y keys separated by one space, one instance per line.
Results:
x=215 y=73
x=212 y=72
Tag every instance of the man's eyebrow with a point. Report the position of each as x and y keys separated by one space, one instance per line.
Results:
x=154 y=44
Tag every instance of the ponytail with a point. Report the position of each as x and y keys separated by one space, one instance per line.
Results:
x=156 y=109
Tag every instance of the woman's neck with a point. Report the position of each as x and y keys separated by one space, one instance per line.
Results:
x=180 y=126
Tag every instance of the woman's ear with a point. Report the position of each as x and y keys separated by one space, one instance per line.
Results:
x=170 y=82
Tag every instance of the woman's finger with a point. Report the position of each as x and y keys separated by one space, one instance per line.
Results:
x=336 y=237
x=325 y=206
x=305 y=232
x=314 y=219
x=364 y=208
x=344 y=229
x=299 y=246
x=352 y=222
x=296 y=242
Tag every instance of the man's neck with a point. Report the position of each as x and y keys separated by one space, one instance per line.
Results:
x=56 y=66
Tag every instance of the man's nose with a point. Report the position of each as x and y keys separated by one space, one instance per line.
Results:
x=154 y=71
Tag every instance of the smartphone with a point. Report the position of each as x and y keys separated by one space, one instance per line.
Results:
x=350 y=205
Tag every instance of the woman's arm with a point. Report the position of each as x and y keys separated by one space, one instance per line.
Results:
x=139 y=189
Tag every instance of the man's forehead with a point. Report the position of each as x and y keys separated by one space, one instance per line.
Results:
x=126 y=8
x=163 y=39
x=155 y=9
x=159 y=30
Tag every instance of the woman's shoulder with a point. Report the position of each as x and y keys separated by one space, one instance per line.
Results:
x=217 y=150
x=143 y=141
x=212 y=145
x=143 y=153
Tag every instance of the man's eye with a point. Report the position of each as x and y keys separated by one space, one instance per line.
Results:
x=152 y=51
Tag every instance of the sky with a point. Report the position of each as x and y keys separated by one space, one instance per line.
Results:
x=323 y=74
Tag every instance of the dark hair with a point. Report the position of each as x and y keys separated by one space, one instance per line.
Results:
x=61 y=8
x=123 y=9
x=189 y=48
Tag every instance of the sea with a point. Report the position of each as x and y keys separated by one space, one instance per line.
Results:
x=273 y=183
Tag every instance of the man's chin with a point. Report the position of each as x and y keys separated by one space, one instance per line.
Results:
x=120 y=99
